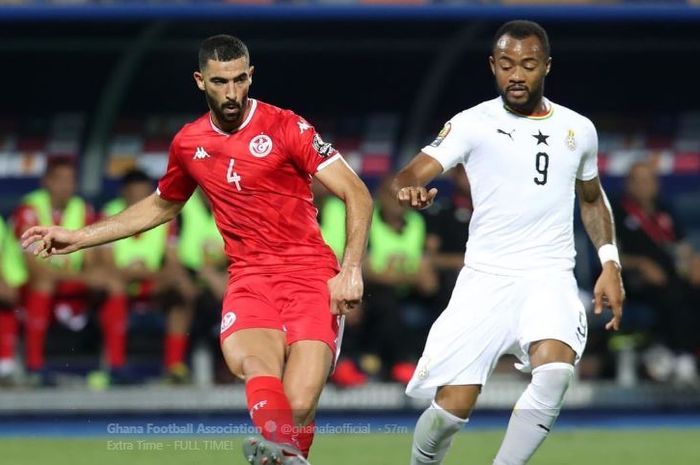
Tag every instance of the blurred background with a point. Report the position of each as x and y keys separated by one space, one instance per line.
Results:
x=93 y=91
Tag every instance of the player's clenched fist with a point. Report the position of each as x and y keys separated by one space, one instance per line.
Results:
x=416 y=197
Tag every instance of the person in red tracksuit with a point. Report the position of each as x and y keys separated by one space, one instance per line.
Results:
x=55 y=204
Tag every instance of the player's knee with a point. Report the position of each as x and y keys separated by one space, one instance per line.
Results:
x=457 y=400
x=550 y=383
x=253 y=365
x=115 y=286
x=303 y=407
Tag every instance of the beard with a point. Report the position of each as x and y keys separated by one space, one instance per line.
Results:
x=231 y=120
x=534 y=96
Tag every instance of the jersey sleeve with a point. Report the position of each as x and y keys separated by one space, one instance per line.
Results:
x=305 y=146
x=176 y=185
x=23 y=218
x=588 y=167
x=453 y=143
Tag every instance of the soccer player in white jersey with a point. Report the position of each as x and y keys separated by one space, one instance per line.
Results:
x=526 y=157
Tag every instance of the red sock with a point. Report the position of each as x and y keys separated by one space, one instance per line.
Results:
x=306 y=438
x=38 y=308
x=113 y=316
x=8 y=334
x=175 y=348
x=270 y=411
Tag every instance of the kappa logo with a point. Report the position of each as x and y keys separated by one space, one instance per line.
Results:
x=200 y=154
x=227 y=321
x=260 y=146
x=303 y=126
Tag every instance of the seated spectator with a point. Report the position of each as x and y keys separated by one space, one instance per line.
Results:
x=150 y=270
x=663 y=271
x=331 y=219
x=201 y=252
x=398 y=278
x=78 y=276
x=448 y=229
x=13 y=274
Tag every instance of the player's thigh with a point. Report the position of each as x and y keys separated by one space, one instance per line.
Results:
x=103 y=279
x=307 y=368
x=255 y=352
x=459 y=400
x=253 y=338
x=553 y=325
x=305 y=303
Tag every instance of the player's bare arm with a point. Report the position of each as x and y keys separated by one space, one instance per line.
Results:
x=142 y=216
x=409 y=183
x=347 y=287
x=597 y=218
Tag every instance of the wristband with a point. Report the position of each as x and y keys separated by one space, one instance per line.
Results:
x=609 y=253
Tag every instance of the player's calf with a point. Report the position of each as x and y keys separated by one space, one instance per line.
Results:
x=433 y=435
x=535 y=413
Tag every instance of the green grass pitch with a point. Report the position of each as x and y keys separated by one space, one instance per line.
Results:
x=569 y=447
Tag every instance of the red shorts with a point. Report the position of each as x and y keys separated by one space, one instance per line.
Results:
x=296 y=303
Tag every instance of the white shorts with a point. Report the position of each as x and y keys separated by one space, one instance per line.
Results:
x=492 y=315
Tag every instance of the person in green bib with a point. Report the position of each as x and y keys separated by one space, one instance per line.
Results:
x=78 y=277
x=13 y=274
x=331 y=220
x=150 y=270
x=399 y=276
x=201 y=251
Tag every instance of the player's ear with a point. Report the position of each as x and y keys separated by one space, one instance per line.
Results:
x=251 y=70
x=548 y=66
x=492 y=65
x=199 y=79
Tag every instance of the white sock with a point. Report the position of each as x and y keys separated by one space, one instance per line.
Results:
x=7 y=366
x=433 y=435
x=534 y=413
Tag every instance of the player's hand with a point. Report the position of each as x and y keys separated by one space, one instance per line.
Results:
x=416 y=197
x=346 y=290
x=52 y=240
x=609 y=292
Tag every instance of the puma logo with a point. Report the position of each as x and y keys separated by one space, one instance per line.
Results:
x=509 y=134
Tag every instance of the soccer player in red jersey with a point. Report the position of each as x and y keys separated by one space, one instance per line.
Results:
x=286 y=294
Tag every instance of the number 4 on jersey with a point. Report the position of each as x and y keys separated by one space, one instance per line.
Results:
x=232 y=177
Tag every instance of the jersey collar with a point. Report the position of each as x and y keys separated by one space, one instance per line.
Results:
x=547 y=114
x=253 y=106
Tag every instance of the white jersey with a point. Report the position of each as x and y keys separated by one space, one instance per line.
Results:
x=522 y=172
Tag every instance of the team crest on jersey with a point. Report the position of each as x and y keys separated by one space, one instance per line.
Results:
x=260 y=145
x=571 y=140
x=441 y=135
x=324 y=149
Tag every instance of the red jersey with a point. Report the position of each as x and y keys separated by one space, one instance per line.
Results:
x=24 y=217
x=258 y=180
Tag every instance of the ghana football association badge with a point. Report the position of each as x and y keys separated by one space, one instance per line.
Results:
x=571 y=140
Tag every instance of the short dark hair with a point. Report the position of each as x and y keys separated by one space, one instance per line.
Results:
x=54 y=163
x=521 y=29
x=222 y=47
x=135 y=176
